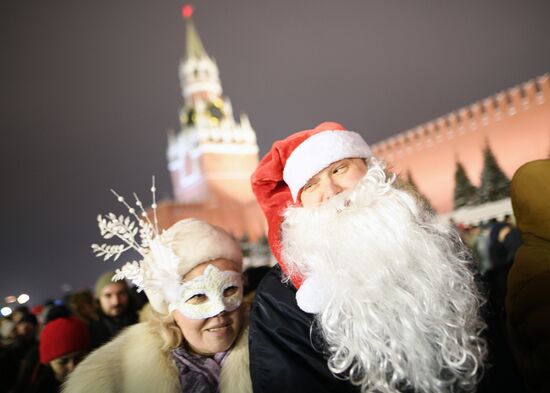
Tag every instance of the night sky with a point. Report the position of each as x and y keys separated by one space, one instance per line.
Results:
x=89 y=89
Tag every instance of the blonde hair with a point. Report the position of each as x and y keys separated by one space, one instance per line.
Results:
x=169 y=331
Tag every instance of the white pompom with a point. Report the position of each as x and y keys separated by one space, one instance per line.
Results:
x=312 y=297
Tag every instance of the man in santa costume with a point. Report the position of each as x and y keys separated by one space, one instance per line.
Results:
x=371 y=293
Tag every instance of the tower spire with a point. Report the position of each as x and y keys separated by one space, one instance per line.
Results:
x=194 y=44
x=209 y=137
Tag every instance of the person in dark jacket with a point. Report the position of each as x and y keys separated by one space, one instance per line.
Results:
x=115 y=309
x=528 y=294
x=284 y=348
x=370 y=292
x=13 y=354
x=504 y=241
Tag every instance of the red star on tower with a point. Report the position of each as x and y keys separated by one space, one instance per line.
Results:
x=187 y=11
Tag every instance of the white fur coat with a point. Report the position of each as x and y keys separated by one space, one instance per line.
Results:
x=133 y=363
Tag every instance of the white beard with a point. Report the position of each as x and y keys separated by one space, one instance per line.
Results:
x=401 y=308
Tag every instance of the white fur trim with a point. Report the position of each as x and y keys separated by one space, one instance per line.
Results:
x=195 y=241
x=235 y=375
x=134 y=362
x=312 y=297
x=131 y=362
x=319 y=151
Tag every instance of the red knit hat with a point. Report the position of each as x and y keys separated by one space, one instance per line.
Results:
x=290 y=163
x=62 y=336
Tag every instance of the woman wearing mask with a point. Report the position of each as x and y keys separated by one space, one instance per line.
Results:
x=195 y=340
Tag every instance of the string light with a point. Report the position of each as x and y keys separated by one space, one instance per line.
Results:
x=5 y=311
x=10 y=299
x=23 y=298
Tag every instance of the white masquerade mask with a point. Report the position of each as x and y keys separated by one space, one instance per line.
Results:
x=209 y=294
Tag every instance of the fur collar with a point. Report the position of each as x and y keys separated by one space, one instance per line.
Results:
x=133 y=362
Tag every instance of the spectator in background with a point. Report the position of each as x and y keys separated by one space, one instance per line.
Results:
x=64 y=342
x=470 y=237
x=115 y=310
x=528 y=296
x=12 y=355
x=493 y=245
x=482 y=247
x=43 y=315
x=19 y=313
x=504 y=241
x=82 y=304
x=29 y=364
x=6 y=328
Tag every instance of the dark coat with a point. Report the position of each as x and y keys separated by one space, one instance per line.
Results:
x=528 y=296
x=11 y=359
x=43 y=381
x=105 y=328
x=285 y=351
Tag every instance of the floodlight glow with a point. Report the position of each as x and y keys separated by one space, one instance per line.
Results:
x=23 y=298
x=10 y=299
x=5 y=311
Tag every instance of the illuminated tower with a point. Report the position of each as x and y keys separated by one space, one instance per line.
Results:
x=212 y=155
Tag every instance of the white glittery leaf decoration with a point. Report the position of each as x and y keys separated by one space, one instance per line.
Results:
x=125 y=229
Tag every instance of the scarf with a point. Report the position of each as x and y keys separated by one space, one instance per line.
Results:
x=198 y=374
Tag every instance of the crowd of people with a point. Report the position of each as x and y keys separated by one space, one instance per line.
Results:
x=371 y=293
x=493 y=245
x=40 y=347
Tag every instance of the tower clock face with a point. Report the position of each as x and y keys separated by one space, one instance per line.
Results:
x=215 y=111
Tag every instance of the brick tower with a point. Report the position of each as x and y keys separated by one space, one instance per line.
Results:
x=212 y=156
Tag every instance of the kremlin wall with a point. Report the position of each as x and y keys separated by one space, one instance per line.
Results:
x=515 y=123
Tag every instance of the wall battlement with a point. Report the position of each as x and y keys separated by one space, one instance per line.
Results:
x=482 y=113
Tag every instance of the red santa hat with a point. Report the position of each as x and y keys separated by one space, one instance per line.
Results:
x=62 y=336
x=288 y=166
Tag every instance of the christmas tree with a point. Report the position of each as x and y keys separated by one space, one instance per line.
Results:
x=465 y=192
x=425 y=201
x=495 y=185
